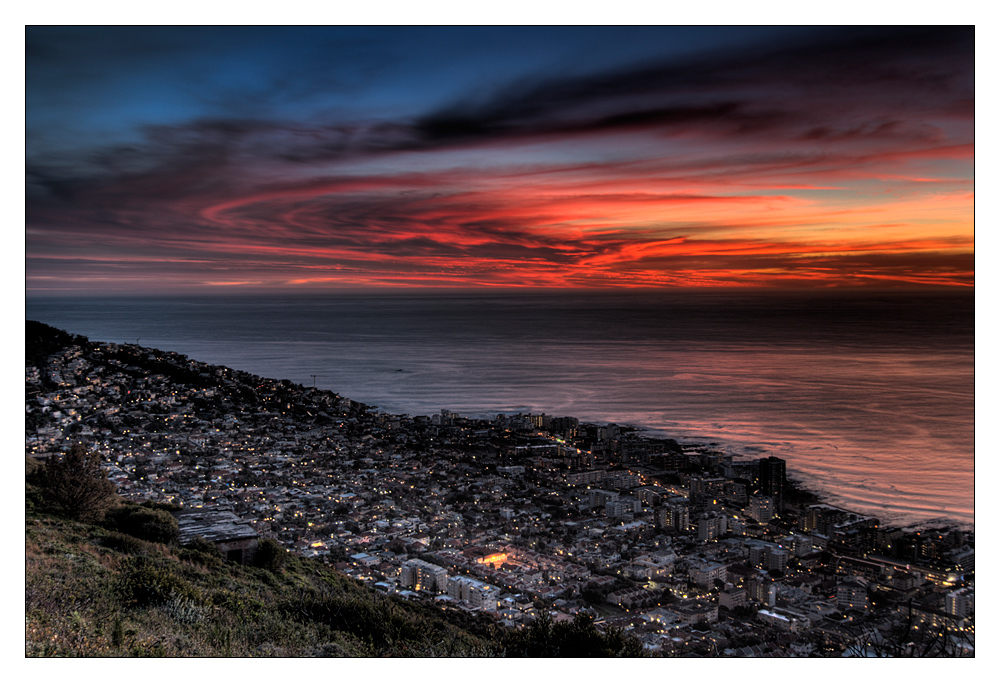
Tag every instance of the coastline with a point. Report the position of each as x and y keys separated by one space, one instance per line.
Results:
x=900 y=517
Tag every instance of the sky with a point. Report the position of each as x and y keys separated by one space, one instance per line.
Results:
x=284 y=159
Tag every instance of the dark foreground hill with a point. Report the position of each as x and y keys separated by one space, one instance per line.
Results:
x=92 y=591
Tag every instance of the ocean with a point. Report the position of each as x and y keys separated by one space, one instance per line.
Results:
x=868 y=396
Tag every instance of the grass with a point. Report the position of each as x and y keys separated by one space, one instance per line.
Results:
x=88 y=594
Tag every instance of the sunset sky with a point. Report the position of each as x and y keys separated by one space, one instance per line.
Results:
x=286 y=159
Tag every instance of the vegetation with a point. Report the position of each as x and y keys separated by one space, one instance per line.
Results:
x=270 y=556
x=88 y=593
x=41 y=341
x=75 y=484
x=145 y=523
x=121 y=587
x=576 y=638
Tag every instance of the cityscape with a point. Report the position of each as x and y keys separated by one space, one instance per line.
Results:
x=464 y=341
x=518 y=517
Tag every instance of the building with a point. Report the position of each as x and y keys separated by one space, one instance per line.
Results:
x=960 y=603
x=649 y=495
x=587 y=477
x=764 y=555
x=631 y=597
x=964 y=559
x=761 y=508
x=694 y=611
x=771 y=480
x=511 y=471
x=674 y=517
x=762 y=591
x=474 y=592
x=788 y=620
x=624 y=507
x=711 y=527
x=236 y=540
x=852 y=594
x=705 y=575
x=739 y=468
x=733 y=597
x=420 y=575
x=599 y=498
x=704 y=489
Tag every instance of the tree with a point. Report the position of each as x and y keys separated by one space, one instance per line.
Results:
x=270 y=556
x=76 y=485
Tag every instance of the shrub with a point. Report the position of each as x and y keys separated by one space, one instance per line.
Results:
x=143 y=583
x=203 y=552
x=270 y=556
x=124 y=543
x=203 y=546
x=155 y=505
x=148 y=524
x=578 y=638
x=76 y=485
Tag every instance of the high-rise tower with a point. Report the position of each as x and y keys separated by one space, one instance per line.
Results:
x=771 y=480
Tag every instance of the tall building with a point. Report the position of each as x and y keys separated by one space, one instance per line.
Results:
x=676 y=517
x=771 y=480
x=474 y=592
x=706 y=488
x=761 y=508
x=960 y=603
x=762 y=590
x=711 y=527
x=421 y=575
x=626 y=506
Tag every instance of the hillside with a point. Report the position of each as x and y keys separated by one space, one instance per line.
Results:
x=93 y=592
x=108 y=578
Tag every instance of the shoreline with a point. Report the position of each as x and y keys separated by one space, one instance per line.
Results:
x=895 y=519
x=887 y=518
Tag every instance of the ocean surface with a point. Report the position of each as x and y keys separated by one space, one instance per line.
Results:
x=868 y=396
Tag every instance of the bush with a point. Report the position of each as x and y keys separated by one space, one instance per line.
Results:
x=203 y=552
x=124 y=543
x=155 y=505
x=270 y=556
x=76 y=485
x=143 y=583
x=578 y=638
x=148 y=524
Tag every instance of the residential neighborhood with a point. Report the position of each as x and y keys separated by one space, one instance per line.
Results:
x=691 y=549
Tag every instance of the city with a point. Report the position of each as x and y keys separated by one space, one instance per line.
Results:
x=689 y=549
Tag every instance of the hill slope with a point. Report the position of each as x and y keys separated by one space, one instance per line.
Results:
x=94 y=592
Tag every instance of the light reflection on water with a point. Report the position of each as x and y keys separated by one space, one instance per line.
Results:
x=870 y=399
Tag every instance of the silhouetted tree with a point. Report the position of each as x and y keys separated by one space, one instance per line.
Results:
x=76 y=485
x=270 y=556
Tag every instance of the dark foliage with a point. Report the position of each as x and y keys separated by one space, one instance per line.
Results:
x=387 y=626
x=147 y=523
x=143 y=582
x=578 y=638
x=41 y=341
x=156 y=505
x=270 y=556
x=203 y=552
x=201 y=545
x=124 y=543
x=75 y=485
